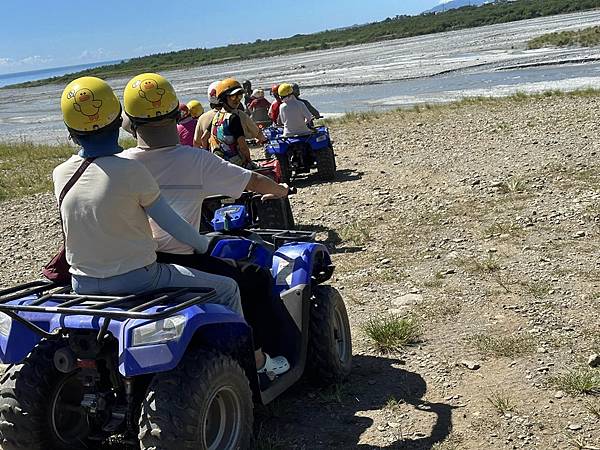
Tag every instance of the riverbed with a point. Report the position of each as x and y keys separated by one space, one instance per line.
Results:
x=485 y=61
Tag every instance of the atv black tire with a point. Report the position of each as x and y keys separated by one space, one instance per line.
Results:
x=326 y=167
x=286 y=169
x=329 y=339
x=30 y=395
x=275 y=214
x=206 y=401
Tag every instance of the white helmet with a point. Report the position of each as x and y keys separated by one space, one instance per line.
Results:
x=212 y=92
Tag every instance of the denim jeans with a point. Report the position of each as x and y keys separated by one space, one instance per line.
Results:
x=157 y=276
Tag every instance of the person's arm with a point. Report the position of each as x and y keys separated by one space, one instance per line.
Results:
x=243 y=149
x=306 y=113
x=198 y=132
x=264 y=185
x=171 y=222
x=204 y=139
x=312 y=109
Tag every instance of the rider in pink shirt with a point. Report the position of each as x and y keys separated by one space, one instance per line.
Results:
x=186 y=125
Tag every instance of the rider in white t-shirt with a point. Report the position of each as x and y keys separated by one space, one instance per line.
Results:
x=105 y=213
x=186 y=177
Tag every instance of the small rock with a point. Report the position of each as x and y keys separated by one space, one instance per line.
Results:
x=393 y=425
x=559 y=394
x=407 y=300
x=471 y=365
x=542 y=350
x=386 y=261
x=594 y=360
x=574 y=426
x=579 y=234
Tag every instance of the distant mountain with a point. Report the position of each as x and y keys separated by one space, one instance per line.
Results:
x=453 y=4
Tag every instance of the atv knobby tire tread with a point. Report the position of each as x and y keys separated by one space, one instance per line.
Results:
x=25 y=392
x=284 y=165
x=323 y=363
x=326 y=167
x=173 y=406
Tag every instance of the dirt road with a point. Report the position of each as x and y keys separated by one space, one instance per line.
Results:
x=480 y=221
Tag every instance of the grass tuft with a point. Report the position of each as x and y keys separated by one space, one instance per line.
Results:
x=578 y=381
x=392 y=332
x=512 y=185
x=356 y=232
x=503 y=346
x=502 y=402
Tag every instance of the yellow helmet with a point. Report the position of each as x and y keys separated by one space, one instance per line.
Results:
x=89 y=104
x=150 y=96
x=285 y=89
x=228 y=86
x=196 y=108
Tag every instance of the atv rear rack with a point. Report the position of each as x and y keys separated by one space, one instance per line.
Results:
x=132 y=306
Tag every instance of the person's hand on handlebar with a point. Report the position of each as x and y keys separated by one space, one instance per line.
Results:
x=263 y=185
x=261 y=138
x=284 y=191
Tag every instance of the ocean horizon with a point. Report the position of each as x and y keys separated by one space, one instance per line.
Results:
x=39 y=74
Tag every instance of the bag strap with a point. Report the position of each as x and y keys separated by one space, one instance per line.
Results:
x=84 y=165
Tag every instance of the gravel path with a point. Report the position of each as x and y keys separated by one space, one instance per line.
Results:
x=481 y=221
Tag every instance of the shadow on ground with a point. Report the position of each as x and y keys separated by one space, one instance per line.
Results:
x=341 y=176
x=333 y=241
x=312 y=418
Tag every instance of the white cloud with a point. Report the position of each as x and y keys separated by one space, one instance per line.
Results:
x=98 y=53
x=35 y=59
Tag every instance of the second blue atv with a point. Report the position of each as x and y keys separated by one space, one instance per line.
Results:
x=299 y=154
x=166 y=369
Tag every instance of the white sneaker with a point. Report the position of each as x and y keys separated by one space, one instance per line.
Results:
x=275 y=366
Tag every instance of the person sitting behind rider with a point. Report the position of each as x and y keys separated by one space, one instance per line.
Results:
x=186 y=125
x=274 y=109
x=293 y=114
x=227 y=138
x=202 y=133
x=316 y=114
x=196 y=108
x=248 y=93
x=189 y=176
x=108 y=239
x=259 y=107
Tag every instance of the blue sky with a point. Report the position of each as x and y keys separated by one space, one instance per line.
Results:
x=40 y=34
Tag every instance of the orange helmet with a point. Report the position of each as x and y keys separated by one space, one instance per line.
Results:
x=228 y=86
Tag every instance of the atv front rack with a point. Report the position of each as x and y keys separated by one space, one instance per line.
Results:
x=54 y=298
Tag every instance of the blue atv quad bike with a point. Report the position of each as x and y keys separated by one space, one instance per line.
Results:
x=300 y=154
x=166 y=369
x=268 y=214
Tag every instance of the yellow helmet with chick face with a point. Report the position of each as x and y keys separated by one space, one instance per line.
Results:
x=149 y=96
x=88 y=104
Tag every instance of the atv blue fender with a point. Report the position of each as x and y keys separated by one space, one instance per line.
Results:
x=294 y=264
x=243 y=250
x=278 y=147
x=209 y=324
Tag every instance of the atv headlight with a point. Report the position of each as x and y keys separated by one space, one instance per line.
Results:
x=169 y=329
x=5 y=324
